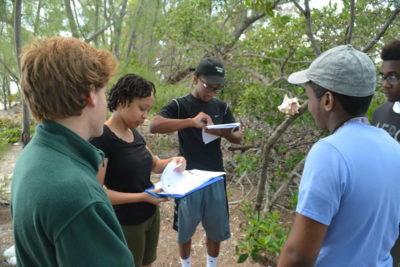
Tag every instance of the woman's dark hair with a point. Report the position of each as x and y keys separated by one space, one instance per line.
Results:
x=127 y=88
x=391 y=51
x=354 y=106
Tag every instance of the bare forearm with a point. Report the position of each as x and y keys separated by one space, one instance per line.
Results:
x=290 y=258
x=160 y=165
x=304 y=242
x=164 y=125
x=117 y=198
x=235 y=137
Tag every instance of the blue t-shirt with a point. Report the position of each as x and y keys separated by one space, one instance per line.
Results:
x=351 y=184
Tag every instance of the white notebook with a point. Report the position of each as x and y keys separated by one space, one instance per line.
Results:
x=179 y=184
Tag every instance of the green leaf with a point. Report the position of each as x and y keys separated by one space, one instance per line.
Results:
x=243 y=258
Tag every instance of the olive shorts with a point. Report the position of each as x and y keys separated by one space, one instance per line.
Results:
x=142 y=239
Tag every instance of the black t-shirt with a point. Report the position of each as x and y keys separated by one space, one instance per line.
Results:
x=128 y=170
x=384 y=117
x=191 y=146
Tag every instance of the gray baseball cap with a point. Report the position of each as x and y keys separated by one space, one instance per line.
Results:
x=342 y=70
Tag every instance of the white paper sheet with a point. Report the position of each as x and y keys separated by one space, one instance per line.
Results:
x=180 y=183
x=207 y=137
x=223 y=126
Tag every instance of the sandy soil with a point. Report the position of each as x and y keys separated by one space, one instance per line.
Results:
x=6 y=169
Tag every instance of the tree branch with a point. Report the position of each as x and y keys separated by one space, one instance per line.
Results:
x=263 y=186
x=309 y=29
x=71 y=19
x=299 y=7
x=242 y=27
x=133 y=33
x=275 y=58
x=182 y=74
x=110 y=22
x=247 y=22
x=242 y=148
x=383 y=29
x=307 y=15
x=295 y=172
x=12 y=74
x=349 y=31
x=291 y=52
x=256 y=74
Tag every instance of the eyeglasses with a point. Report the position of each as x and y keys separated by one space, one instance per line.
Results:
x=392 y=79
x=211 y=89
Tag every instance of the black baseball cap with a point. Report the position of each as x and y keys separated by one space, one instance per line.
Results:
x=212 y=69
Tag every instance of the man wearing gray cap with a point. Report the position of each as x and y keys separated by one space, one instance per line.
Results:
x=348 y=210
x=189 y=115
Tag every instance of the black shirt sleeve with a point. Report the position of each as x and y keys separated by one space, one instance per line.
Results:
x=228 y=116
x=100 y=143
x=171 y=110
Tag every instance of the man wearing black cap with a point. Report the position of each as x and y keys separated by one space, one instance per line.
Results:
x=189 y=115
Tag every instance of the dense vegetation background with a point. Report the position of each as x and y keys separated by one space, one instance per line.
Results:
x=260 y=42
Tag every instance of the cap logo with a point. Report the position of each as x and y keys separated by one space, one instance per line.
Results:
x=219 y=69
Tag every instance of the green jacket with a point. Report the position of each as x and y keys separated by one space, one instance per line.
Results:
x=61 y=215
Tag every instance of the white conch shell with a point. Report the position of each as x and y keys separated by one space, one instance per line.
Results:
x=289 y=105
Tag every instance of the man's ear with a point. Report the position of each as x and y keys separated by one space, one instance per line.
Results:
x=92 y=97
x=328 y=101
x=195 y=79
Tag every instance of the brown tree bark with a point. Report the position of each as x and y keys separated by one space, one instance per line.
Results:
x=71 y=19
x=26 y=119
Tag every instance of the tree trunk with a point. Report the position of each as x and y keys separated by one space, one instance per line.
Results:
x=37 y=19
x=9 y=95
x=132 y=39
x=268 y=143
x=18 y=45
x=118 y=27
x=151 y=46
x=96 y=22
x=71 y=20
x=4 y=91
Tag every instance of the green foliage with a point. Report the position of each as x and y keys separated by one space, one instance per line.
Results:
x=246 y=163
x=283 y=169
x=251 y=135
x=3 y=149
x=378 y=99
x=10 y=131
x=264 y=234
x=260 y=103
x=194 y=21
x=293 y=159
x=292 y=201
x=161 y=145
x=167 y=92
x=5 y=182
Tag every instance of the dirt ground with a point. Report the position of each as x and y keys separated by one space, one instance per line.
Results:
x=167 y=247
x=6 y=235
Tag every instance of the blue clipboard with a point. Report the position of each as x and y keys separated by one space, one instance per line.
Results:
x=209 y=182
